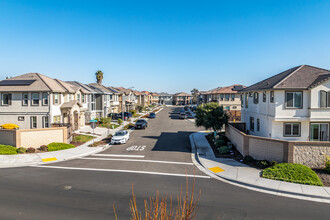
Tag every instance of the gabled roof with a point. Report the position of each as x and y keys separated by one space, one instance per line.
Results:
x=84 y=88
x=164 y=94
x=182 y=94
x=227 y=89
x=35 y=82
x=299 y=77
x=70 y=104
x=113 y=89
x=319 y=80
x=99 y=88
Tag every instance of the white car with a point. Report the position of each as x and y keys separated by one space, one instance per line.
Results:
x=120 y=137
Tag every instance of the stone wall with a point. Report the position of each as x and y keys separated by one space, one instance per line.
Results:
x=311 y=154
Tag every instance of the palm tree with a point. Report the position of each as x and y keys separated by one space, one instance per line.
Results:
x=99 y=76
x=194 y=92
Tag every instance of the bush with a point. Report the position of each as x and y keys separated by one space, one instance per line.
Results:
x=7 y=149
x=295 y=173
x=105 y=120
x=133 y=112
x=273 y=163
x=248 y=160
x=327 y=164
x=43 y=148
x=59 y=146
x=262 y=164
x=224 y=150
x=220 y=143
x=21 y=150
x=120 y=121
x=31 y=150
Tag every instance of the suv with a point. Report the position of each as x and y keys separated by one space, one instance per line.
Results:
x=141 y=124
x=127 y=115
x=113 y=116
x=183 y=115
x=152 y=115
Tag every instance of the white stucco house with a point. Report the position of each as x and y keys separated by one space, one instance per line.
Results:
x=292 y=105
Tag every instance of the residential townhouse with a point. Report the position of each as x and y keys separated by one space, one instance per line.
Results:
x=114 y=100
x=100 y=99
x=292 y=105
x=148 y=98
x=140 y=98
x=127 y=99
x=182 y=98
x=165 y=98
x=33 y=100
x=154 y=98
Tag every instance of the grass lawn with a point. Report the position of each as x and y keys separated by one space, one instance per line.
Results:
x=106 y=126
x=59 y=146
x=294 y=173
x=83 y=138
x=7 y=149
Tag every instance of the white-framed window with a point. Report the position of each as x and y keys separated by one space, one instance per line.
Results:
x=83 y=98
x=35 y=98
x=56 y=98
x=271 y=96
x=6 y=99
x=56 y=119
x=78 y=97
x=293 y=99
x=227 y=97
x=252 y=123
x=44 y=98
x=256 y=98
x=45 y=122
x=319 y=132
x=25 y=98
x=324 y=99
x=33 y=122
x=292 y=129
x=232 y=97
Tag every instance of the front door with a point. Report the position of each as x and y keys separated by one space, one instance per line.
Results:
x=76 y=121
x=319 y=132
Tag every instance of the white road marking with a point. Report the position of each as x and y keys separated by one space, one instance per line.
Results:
x=117 y=155
x=135 y=160
x=136 y=148
x=123 y=171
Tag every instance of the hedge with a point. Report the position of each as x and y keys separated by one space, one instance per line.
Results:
x=7 y=149
x=59 y=146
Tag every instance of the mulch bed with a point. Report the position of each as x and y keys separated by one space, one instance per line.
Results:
x=233 y=155
x=324 y=177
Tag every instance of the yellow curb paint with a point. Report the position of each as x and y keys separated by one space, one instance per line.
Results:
x=216 y=169
x=49 y=159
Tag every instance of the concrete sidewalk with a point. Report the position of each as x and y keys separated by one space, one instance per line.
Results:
x=62 y=155
x=234 y=172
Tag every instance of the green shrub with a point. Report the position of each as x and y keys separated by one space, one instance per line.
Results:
x=59 y=146
x=224 y=150
x=220 y=143
x=120 y=121
x=327 y=164
x=31 y=150
x=105 y=120
x=7 y=149
x=133 y=112
x=273 y=163
x=21 y=150
x=295 y=173
x=263 y=164
x=248 y=160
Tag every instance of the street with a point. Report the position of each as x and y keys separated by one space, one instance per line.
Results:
x=157 y=158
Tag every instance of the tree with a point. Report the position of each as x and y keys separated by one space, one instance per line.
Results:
x=211 y=116
x=99 y=76
x=194 y=92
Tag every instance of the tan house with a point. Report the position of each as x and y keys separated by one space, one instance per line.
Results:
x=155 y=98
x=182 y=98
x=34 y=101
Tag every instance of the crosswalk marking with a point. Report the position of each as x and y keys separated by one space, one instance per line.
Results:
x=117 y=155
x=135 y=160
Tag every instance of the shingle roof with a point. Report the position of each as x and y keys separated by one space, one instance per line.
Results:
x=299 y=77
x=182 y=94
x=99 y=88
x=227 y=89
x=70 y=104
x=84 y=88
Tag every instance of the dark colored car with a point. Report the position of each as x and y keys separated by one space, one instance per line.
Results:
x=152 y=115
x=183 y=115
x=114 y=116
x=141 y=124
x=127 y=115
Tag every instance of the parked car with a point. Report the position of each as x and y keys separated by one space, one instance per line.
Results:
x=190 y=115
x=152 y=115
x=127 y=115
x=183 y=115
x=141 y=124
x=120 y=137
x=114 y=116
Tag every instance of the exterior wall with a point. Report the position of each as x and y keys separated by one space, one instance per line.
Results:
x=33 y=137
x=316 y=112
x=278 y=131
x=309 y=153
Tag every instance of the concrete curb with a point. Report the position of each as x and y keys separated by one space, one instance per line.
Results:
x=201 y=166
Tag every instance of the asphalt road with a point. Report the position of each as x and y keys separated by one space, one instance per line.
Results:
x=87 y=188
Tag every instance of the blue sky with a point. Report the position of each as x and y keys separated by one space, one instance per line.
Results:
x=163 y=45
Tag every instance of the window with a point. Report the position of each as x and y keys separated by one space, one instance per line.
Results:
x=45 y=122
x=21 y=118
x=291 y=129
x=319 y=132
x=264 y=96
x=33 y=121
x=227 y=97
x=6 y=99
x=256 y=98
x=78 y=97
x=83 y=98
x=221 y=97
x=110 y=97
x=258 y=124
x=57 y=119
x=324 y=99
x=250 y=94
x=271 y=96
x=252 y=123
x=234 y=107
x=232 y=97
x=242 y=101
x=246 y=100
x=44 y=98
x=93 y=106
x=56 y=98
x=25 y=98
x=35 y=98
x=293 y=99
